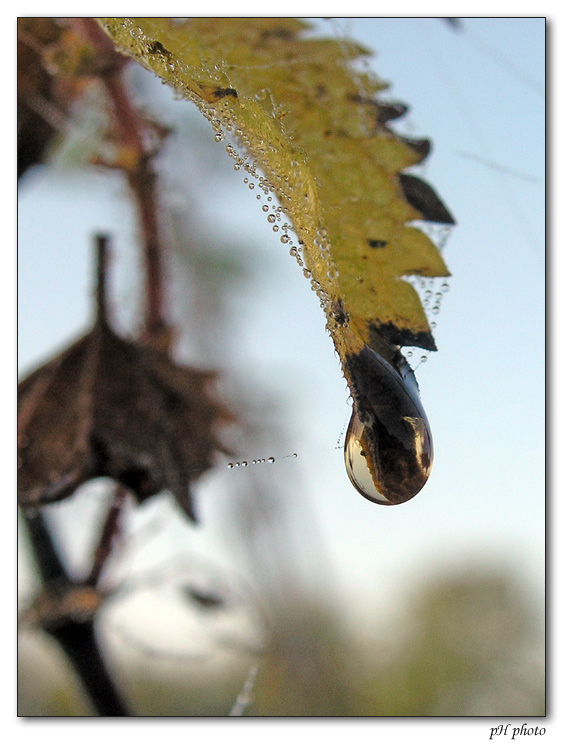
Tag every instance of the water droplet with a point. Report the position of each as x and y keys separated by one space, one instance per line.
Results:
x=219 y=137
x=244 y=464
x=275 y=228
x=445 y=287
x=230 y=465
x=271 y=218
x=271 y=460
x=388 y=448
x=285 y=239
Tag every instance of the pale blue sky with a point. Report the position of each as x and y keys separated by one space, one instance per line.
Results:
x=477 y=94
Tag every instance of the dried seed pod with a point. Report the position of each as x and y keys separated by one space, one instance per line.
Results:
x=110 y=407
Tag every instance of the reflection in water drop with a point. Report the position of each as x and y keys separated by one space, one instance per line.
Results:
x=356 y=464
x=388 y=448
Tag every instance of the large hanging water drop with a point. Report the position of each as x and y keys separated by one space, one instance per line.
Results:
x=388 y=448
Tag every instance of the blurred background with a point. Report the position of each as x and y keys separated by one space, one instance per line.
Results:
x=339 y=607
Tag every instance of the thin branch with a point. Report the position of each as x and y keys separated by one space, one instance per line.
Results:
x=141 y=177
x=50 y=566
x=109 y=534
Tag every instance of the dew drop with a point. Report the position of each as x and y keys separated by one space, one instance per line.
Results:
x=230 y=465
x=271 y=460
x=271 y=218
x=219 y=137
x=244 y=464
x=388 y=447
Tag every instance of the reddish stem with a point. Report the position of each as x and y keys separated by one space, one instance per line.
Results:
x=109 y=533
x=141 y=177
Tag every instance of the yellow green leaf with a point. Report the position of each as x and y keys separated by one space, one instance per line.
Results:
x=311 y=130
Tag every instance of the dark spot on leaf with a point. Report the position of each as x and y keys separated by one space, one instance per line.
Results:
x=228 y=92
x=423 y=198
x=390 y=111
x=156 y=48
x=338 y=312
x=422 y=147
x=384 y=111
x=278 y=32
x=395 y=335
x=376 y=244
